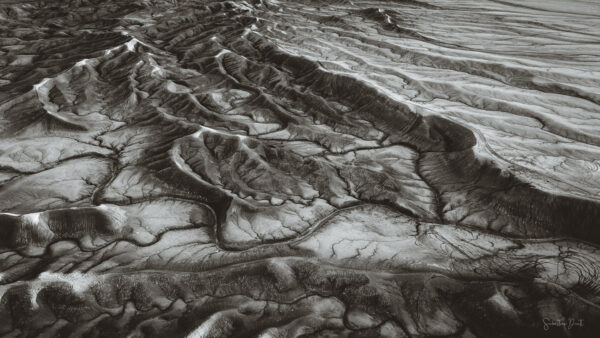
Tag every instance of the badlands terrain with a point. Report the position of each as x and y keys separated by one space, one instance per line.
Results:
x=278 y=168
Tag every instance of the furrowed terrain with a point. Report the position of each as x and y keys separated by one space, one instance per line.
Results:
x=173 y=168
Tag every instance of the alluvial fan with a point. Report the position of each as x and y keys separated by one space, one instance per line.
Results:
x=278 y=168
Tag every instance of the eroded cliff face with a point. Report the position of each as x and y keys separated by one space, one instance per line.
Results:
x=299 y=168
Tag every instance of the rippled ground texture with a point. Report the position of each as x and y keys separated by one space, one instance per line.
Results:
x=299 y=168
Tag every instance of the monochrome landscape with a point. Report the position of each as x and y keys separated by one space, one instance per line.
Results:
x=299 y=168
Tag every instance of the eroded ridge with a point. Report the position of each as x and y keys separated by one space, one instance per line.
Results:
x=299 y=168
